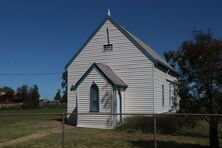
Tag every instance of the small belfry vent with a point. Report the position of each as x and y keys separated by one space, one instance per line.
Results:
x=109 y=13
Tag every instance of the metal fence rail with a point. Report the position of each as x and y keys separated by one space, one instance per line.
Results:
x=107 y=130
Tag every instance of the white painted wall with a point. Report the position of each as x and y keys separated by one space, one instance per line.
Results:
x=105 y=92
x=160 y=78
x=105 y=101
x=128 y=62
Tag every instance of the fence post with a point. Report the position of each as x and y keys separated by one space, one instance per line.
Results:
x=63 y=122
x=154 y=130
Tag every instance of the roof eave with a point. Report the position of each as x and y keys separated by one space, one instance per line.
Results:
x=167 y=67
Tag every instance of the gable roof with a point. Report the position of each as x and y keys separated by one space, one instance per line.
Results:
x=146 y=49
x=107 y=72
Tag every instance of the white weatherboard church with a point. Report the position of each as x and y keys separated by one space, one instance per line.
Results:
x=116 y=72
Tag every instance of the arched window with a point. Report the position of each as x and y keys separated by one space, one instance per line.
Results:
x=94 y=98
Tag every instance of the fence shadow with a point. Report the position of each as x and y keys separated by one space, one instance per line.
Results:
x=163 y=144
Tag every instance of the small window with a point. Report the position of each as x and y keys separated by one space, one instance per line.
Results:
x=163 y=95
x=108 y=47
x=94 y=98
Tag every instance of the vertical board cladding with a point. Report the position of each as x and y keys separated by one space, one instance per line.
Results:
x=105 y=101
x=126 y=60
x=160 y=78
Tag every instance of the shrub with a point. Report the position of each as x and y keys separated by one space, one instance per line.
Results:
x=138 y=123
x=174 y=124
x=165 y=124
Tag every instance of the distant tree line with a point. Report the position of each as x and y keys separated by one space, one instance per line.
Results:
x=28 y=96
x=8 y=95
x=60 y=98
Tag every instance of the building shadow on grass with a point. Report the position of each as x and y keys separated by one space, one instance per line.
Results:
x=70 y=119
x=163 y=144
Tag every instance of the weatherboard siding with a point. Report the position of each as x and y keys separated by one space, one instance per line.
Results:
x=128 y=62
x=105 y=92
x=105 y=101
x=160 y=78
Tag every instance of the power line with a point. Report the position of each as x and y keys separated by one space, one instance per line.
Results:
x=30 y=74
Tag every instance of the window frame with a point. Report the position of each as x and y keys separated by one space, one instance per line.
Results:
x=91 y=108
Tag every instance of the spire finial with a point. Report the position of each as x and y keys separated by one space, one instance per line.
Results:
x=109 y=13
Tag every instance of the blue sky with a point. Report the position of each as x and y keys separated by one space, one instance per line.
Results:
x=41 y=36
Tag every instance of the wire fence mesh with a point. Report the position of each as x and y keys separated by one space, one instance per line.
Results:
x=107 y=130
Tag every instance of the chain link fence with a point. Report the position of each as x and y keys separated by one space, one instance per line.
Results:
x=108 y=130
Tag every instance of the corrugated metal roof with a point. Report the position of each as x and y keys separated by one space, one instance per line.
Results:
x=148 y=49
x=111 y=75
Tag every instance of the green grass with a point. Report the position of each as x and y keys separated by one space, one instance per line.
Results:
x=12 y=127
x=38 y=110
x=84 y=137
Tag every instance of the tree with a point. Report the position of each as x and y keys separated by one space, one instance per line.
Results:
x=58 y=96
x=64 y=86
x=199 y=62
x=23 y=94
x=30 y=96
x=34 y=96
x=64 y=98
